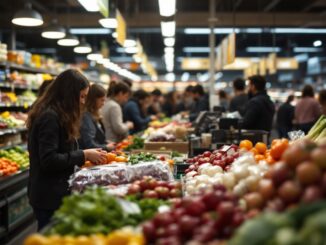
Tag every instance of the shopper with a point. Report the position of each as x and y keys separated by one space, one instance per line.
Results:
x=92 y=130
x=322 y=100
x=186 y=102
x=307 y=110
x=240 y=99
x=115 y=130
x=53 y=127
x=201 y=102
x=135 y=110
x=285 y=117
x=169 y=108
x=156 y=105
x=224 y=100
x=259 y=111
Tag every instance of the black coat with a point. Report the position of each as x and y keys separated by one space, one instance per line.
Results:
x=52 y=160
x=201 y=104
x=259 y=113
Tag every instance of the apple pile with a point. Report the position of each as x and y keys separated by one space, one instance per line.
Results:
x=148 y=187
x=300 y=177
x=223 y=158
x=212 y=215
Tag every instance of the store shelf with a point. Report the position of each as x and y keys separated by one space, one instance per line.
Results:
x=8 y=85
x=7 y=147
x=7 y=181
x=12 y=131
x=13 y=66
x=15 y=105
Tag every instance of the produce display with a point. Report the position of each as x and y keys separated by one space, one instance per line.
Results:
x=118 y=174
x=202 y=218
x=141 y=157
x=7 y=167
x=12 y=119
x=299 y=178
x=318 y=131
x=95 y=212
x=135 y=144
x=111 y=157
x=17 y=155
x=148 y=187
x=169 y=133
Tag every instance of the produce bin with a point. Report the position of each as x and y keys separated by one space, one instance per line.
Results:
x=182 y=147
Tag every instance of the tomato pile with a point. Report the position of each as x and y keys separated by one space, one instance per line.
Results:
x=7 y=167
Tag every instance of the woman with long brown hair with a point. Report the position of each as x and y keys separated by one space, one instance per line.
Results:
x=92 y=130
x=53 y=126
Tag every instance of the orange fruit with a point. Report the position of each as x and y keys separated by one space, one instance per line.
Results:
x=261 y=147
x=270 y=160
x=278 y=148
x=254 y=151
x=110 y=157
x=246 y=144
x=121 y=159
x=259 y=157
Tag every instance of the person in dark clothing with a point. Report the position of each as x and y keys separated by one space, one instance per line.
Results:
x=240 y=99
x=260 y=109
x=224 y=100
x=53 y=128
x=155 y=107
x=201 y=102
x=186 y=103
x=43 y=87
x=92 y=133
x=285 y=117
x=322 y=100
x=169 y=108
x=135 y=111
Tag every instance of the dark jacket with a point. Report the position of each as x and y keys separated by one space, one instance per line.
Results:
x=52 y=160
x=238 y=103
x=133 y=113
x=285 y=116
x=202 y=104
x=92 y=133
x=259 y=113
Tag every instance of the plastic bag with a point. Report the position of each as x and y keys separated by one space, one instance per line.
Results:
x=295 y=135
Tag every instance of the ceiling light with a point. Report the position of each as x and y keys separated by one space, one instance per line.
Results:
x=169 y=50
x=95 y=56
x=206 y=31
x=103 y=61
x=167 y=7
x=90 y=31
x=137 y=58
x=317 y=43
x=109 y=23
x=169 y=41
x=27 y=17
x=185 y=76
x=115 y=34
x=263 y=49
x=129 y=43
x=170 y=77
x=83 y=48
x=307 y=50
x=168 y=28
x=54 y=31
x=196 y=49
x=131 y=50
x=90 y=5
x=300 y=30
x=68 y=40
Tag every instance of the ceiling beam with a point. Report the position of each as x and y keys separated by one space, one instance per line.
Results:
x=188 y=19
x=271 y=5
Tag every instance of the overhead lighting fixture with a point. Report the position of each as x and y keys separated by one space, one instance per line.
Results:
x=170 y=77
x=131 y=50
x=68 y=40
x=317 y=43
x=167 y=7
x=169 y=50
x=206 y=31
x=168 y=28
x=129 y=43
x=95 y=56
x=103 y=61
x=196 y=49
x=89 y=31
x=185 y=76
x=300 y=30
x=90 y=5
x=137 y=58
x=169 y=41
x=115 y=34
x=54 y=31
x=307 y=50
x=27 y=17
x=83 y=48
x=110 y=23
x=263 y=49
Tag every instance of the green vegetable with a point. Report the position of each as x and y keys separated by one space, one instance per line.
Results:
x=141 y=157
x=17 y=155
x=317 y=129
x=176 y=154
x=137 y=143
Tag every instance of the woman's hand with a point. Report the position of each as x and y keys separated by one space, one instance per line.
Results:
x=97 y=156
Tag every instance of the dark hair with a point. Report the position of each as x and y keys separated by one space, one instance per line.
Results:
x=222 y=94
x=116 y=87
x=156 y=92
x=141 y=95
x=258 y=81
x=43 y=87
x=239 y=84
x=128 y=82
x=95 y=92
x=198 y=89
x=189 y=89
x=290 y=98
x=308 y=91
x=322 y=97
x=62 y=96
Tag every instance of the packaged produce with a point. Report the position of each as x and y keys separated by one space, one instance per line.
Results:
x=117 y=174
